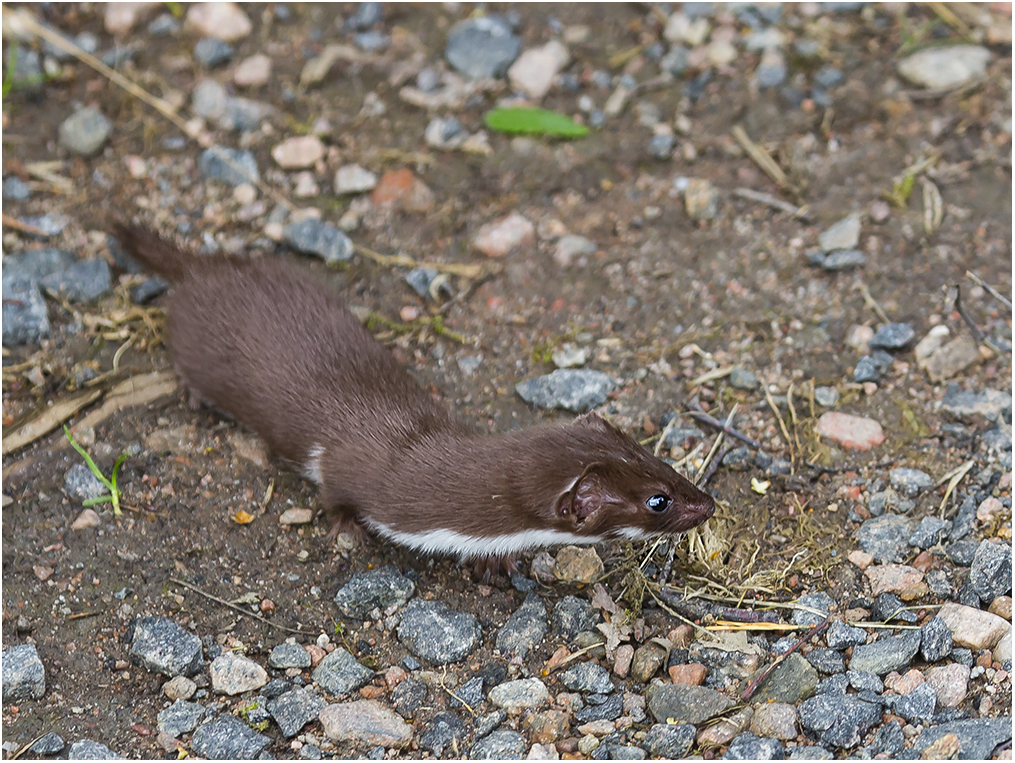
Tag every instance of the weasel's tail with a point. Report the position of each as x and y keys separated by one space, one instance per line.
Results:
x=154 y=252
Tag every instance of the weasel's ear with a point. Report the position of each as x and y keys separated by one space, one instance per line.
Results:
x=592 y=420
x=589 y=494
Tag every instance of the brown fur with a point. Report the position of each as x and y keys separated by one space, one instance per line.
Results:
x=266 y=343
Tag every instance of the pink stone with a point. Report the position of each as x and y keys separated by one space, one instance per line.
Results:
x=850 y=431
x=950 y=682
x=896 y=578
x=503 y=236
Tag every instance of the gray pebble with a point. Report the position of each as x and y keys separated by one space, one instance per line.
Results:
x=827 y=660
x=572 y=615
x=83 y=281
x=931 y=531
x=820 y=601
x=119 y=55
x=995 y=439
x=85 y=131
x=771 y=71
x=836 y=684
x=159 y=644
x=276 y=687
x=661 y=146
x=27 y=73
x=882 y=500
x=24 y=675
x=893 y=336
x=863 y=681
x=809 y=752
x=289 y=655
x=607 y=708
x=910 y=482
x=428 y=80
x=670 y=741
x=180 y=718
x=991 y=570
x=938 y=583
x=847 y=259
x=684 y=703
x=680 y=436
x=739 y=458
x=828 y=76
x=149 y=289
x=445 y=731
x=315 y=237
x=15 y=189
x=500 y=745
x=86 y=749
x=385 y=589
x=211 y=52
x=843 y=235
x=437 y=633
x=842 y=636
x=372 y=41
x=839 y=720
x=48 y=744
x=573 y=389
x=741 y=378
x=524 y=629
x=482 y=47
x=214 y=167
x=469 y=693
x=420 y=279
x=866 y=370
x=888 y=740
x=746 y=746
x=341 y=673
x=917 y=706
x=886 y=654
x=295 y=709
x=675 y=61
x=886 y=538
x=888 y=607
x=489 y=722
x=228 y=737
x=367 y=14
x=80 y=483
x=25 y=316
x=962 y=552
x=588 y=678
x=793 y=680
x=409 y=696
x=977 y=738
x=163 y=25
x=313 y=752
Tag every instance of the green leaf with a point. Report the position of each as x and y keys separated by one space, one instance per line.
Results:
x=534 y=122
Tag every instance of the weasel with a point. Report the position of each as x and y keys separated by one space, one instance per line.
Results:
x=264 y=342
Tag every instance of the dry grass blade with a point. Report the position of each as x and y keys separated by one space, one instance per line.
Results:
x=772 y=201
x=232 y=606
x=31 y=25
x=715 y=447
x=13 y=222
x=762 y=158
x=708 y=376
x=45 y=171
x=782 y=424
x=48 y=420
x=954 y=477
x=865 y=292
x=989 y=289
x=471 y=271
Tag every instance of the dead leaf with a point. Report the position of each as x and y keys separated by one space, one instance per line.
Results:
x=602 y=600
x=242 y=518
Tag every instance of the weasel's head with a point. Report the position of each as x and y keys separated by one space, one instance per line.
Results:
x=623 y=490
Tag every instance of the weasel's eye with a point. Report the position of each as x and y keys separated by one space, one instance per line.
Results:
x=658 y=503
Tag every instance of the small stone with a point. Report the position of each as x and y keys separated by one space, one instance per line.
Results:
x=409 y=696
x=352 y=179
x=845 y=234
x=950 y=682
x=296 y=516
x=570 y=247
x=515 y=696
x=660 y=146
x=225 y=21
x=534 y=70
x=24 y=675
x=648 y=658
x=234 y=168
x=577 y=390
x=234 y=674
x=179 y=687
x=49 y=743
x=839 y=720
x=569 y=356
x=524 y=629
x=83 y=281
x=15 y=189
x=886 y=538
x=622 y=660
x=289 y=655
x=701 y=199
x=445 y=731
x=669 y=741
x=936 y=643
x=160 y=645
x=793 y=680
x=945 y=68
x=578 y=565
x=826 y=660
x=741 y=378
x=503 y=236
x=693 y=674
x=401 y=189
x=572 y=616
x=850 y=431
x=295 y=709
x=87 y=518
x=341 y=673
x=314 y=237
x=180 y=718
x=747 y=746
x=299 y=152
x=482 y=47
x=437 y=633
x=588 y=678
x=502 y=744
x=80 y=483
x=722 y=731
x=385 y=589
x=930 y=532
x=989 y=508
x=25 y=315
x=910 y=482
x=120 y=18
x=86 y=749
x=211 y=52
x=1001 y=606
x=253 y=71
x=771 y=70
x=819 y=601
x=227 y=737
x=990 y=575
x=886 y=654
x=85 y=131
x=677 y=703
x=842 y=636
x=365 y=722
x=897 y=578
x=951 y=359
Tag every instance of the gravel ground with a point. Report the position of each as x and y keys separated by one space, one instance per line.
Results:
x=802 y=212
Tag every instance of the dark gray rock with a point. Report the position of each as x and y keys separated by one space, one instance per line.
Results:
x=385 y=589
x=24 y=675
x=842 y=636
x=313 y=752
x=842 y=260
x=990 y=573
x=935 y=640
x=883 y=500
x=977 y=738
x=990 y=403
x=910 y=482
x=289 y=655
x=295 y=709
x=738 y=458
x=930 y=532
x=572 y=615
x=489 y=723
x=276 y=687
x=482 y=47
x=793 y=680
x=866 y=370
x=229 y=165
x=85 y=131
x=862 y=681
x=180 y=718
x=573 y=389
x=888 y=607
x=314 y=237
x=420 y=279
x=886 y=538
x=601 y=708
x=836 y=684
x=888 y=740
x=86 y=749
x=962 y=552
x=664 y=740
x=937 y=581
x=886 y=654
x=409 y=696
x=499 y=745
x=84 y=281
x=149 y=289
x=826 y=660
x=819 y=601
x=341 y=673
x=211 y=52
x=917 y=706
x=444 y=732
x=893 y=336
x=435 y=632
x=839 y=720
x=227 y=738
x=809 y=752
x=994 y=439
x=741 y=378
x=746 y=746
x=50 y=743
x=160 y=645
x=524 y=629
x=660 y=146
x=80 y=483
x=25 y=316
x=685 y=704
x=469 y=693
x=588 y=678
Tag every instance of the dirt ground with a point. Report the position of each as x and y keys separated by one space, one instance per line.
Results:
x=663 y=300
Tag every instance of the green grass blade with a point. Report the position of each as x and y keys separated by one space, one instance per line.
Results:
x=97 y=501
x=534 y=122
x=88 y=459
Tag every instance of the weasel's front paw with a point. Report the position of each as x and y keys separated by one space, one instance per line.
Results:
x=488 y=567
